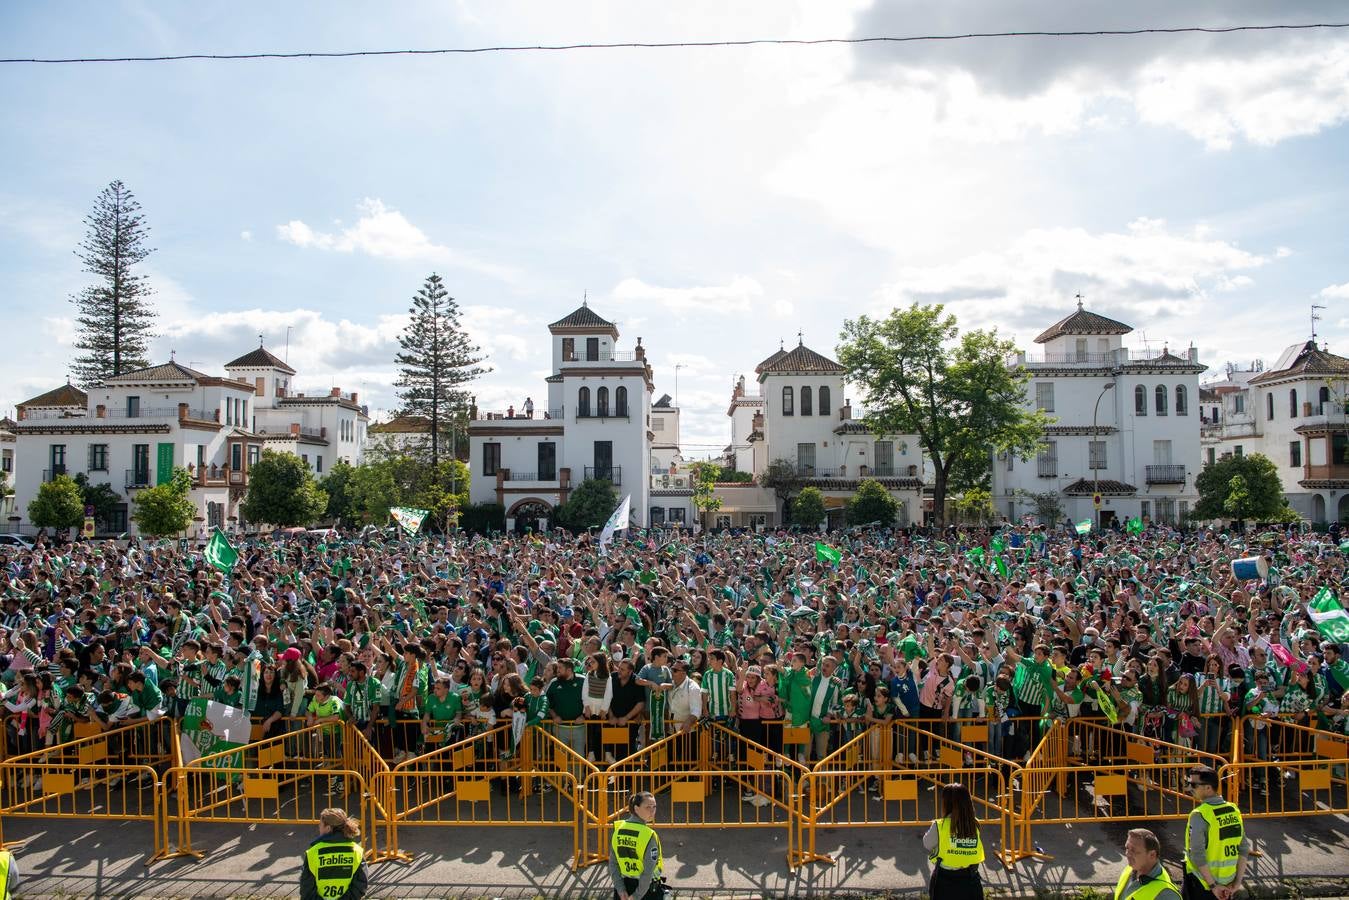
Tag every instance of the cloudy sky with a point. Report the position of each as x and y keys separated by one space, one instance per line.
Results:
x=713 y=201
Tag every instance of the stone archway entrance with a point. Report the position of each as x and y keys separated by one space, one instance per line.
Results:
x=530 y=514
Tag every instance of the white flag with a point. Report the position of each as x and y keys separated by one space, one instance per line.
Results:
x=617 y=521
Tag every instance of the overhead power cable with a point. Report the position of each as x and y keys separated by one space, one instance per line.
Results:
x=662 y=45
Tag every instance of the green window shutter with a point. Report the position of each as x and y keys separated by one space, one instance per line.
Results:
x=164 y=469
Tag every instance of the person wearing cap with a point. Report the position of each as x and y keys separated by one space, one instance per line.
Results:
x=1216 y=848
x=1143 y=877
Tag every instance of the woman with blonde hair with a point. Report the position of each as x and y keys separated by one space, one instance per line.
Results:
x=954 y=846
x=334 y=863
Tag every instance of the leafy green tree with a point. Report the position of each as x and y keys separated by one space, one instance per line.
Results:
x=727 y=474
x=282 y=492
x=100 y=496
x=58 y=504
x=1238 y=504
x=808 y=508
x=782 y=478
x=167 y=508
x=589 y=506
x=1048 y=505
x=115 y=317
x=976 y=505
x=337 y=485
x=704 y=483
x=436 y=360
x=403 y=480
x=919 y=375
x=871 y=502
x=1260 y=483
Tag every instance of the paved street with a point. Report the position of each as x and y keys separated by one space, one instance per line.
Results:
x=71 y=859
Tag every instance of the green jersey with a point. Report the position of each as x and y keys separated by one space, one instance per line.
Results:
x=718 y=686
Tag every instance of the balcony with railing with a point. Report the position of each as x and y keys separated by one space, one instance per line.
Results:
x=516 y=415
x=143 y=412
x=138 y=478
x=1168 y=474
x=601 y=356
x=1119 y=357
x=1328 y=472
x=53 y=473
x=611 y=474
x=1047 y=465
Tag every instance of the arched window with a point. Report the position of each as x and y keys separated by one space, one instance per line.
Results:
x=1269 y=407
x=825 y=408
x=1161 y=399
x=807 y=402
x=602 y=402
x=1292 y=404
x=1182 y=401
x=1323 y=398
x=1140 y=401
x=620 y=401
x=583 y=402
x=788 y=406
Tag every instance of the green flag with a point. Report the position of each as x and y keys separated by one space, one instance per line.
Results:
x=1000 y=566
x=1329 y=616
x=998 y=543
x=410 y=519
x=975 y=555
x=1084 y=527
x=219 y=553
x=827 y=554
x=1134 y=526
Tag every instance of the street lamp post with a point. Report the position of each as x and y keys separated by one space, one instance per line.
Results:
x=1096 y=469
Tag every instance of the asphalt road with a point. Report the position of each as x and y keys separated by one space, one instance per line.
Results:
x=73 y=858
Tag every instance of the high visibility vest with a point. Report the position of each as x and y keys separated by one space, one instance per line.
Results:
x=956 y=853
x=5 y=858
x=1147 y=891
x=1225 y=832
x=630 y=843
x=333 y=865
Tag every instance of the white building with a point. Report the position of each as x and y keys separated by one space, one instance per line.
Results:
x=597 y=424
x=1126 y=424
x=7 y=467
x=135 y=428
x=1295 y=414
x=801 y=414
x=400 y=435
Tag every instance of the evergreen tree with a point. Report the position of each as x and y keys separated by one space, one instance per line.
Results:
x=115 y=316
x=436 y=361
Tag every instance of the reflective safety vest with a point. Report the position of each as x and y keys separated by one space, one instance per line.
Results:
x=333 y=865
x=5 y=858
x=1147 y=891
x=630 y=843
x=1225 y=832
x=956 y=853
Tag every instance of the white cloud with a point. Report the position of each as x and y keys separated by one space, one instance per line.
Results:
x=736 y=296
x=1334 y=292
x=245 y=235
x=386 y=233
x=783 y=308
x=1146 y=272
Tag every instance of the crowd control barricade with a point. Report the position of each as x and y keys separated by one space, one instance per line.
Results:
x=466 y=784
x=895 y=798
x=143 y=743
x=1126 y=777
x=1302 y=787
x=88 y=790
x=361 y=757
x=1265 y=738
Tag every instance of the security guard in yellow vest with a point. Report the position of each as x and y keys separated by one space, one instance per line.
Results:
x=334 y=866
x=1144 y=878
x=9 y=874
x=635 y=861
x=955 y=848
x=1216 y=848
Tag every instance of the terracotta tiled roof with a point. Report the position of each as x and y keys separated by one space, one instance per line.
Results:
x=169 y=371
x=1082 y=322
x=582 y=317
x=1311 y=360
x=801 y=359
x=1084 y=486
x=777 y=355
x=402 y=425
x=260 y=358
x=66 y=395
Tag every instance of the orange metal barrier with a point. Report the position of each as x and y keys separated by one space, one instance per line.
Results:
x=1293 y=788
x=34 y=788
x=897 y=798
x=139 y=744
x=1265 y=738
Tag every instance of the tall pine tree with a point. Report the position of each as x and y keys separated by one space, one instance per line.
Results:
x=115 y=316
x=436 y=361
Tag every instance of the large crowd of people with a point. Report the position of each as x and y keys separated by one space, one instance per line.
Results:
x=418 y=639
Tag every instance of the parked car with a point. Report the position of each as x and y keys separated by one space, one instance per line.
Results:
x=16 y=540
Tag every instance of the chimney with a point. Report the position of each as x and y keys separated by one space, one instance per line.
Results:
x=294 y=429
x=353 y=397
x=846 y=412
x=100 y=412
x=323 y=432
x=640 y=352
x=182 y=411
x=1193 y=354
x=335 y=392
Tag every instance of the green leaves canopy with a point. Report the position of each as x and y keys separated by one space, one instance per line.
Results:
x=1258 y=495
x=282 y=492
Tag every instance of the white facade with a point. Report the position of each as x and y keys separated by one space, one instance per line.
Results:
x=134 y=429
x=1297 y=415
x=398 y=436
x=1126 y=425
x=801 y=414
x=597 y=424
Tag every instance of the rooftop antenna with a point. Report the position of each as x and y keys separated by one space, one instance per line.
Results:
x=288 y=327
x=1315 y=318
x=1147 y=344
x=678 y=366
